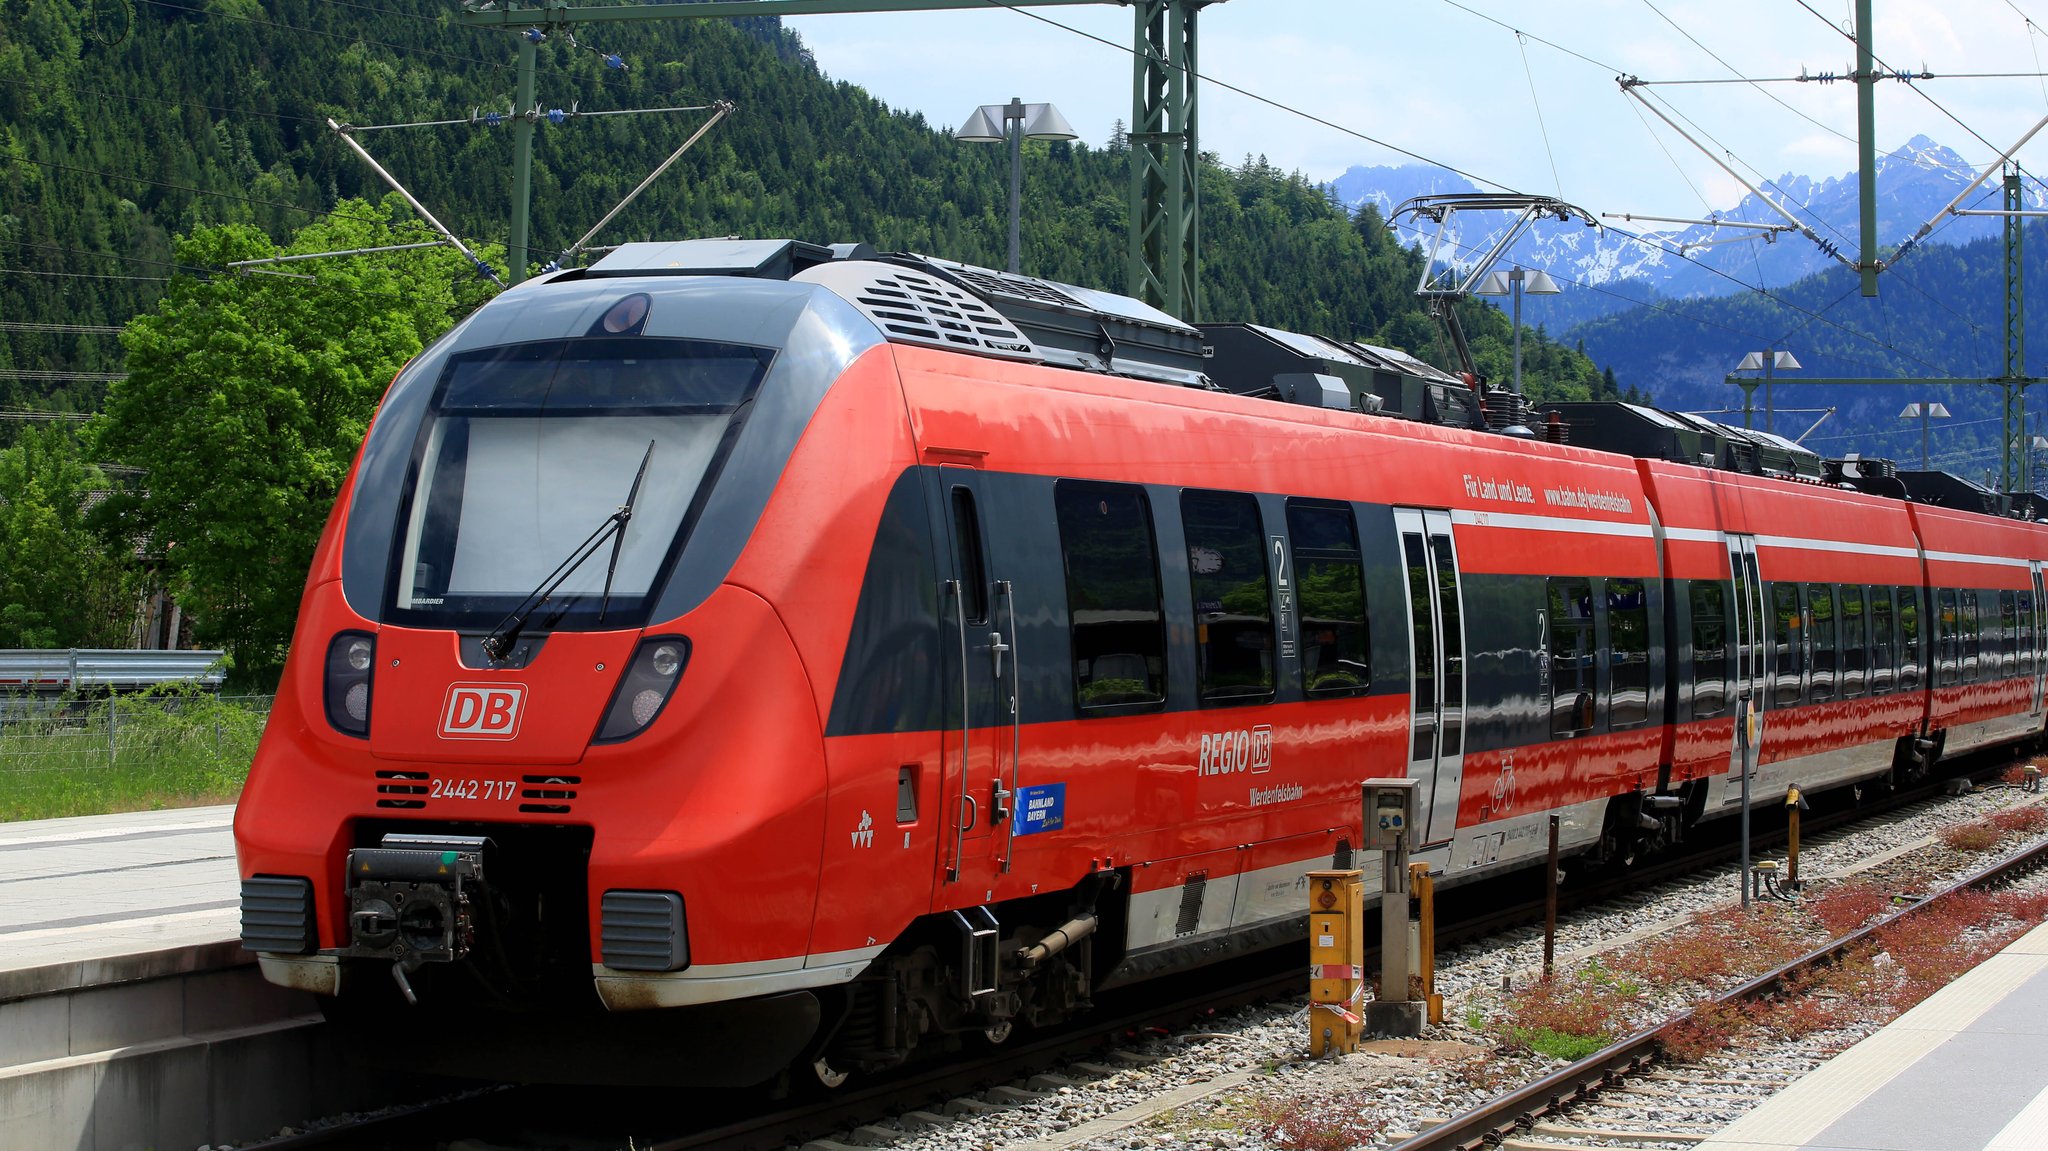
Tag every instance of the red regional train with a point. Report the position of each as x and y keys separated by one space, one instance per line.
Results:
x=739 y=655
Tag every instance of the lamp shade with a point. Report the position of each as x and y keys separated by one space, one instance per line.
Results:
x=1753 y=362
x=1538 y=282
x=1495 y=284
x=1044 y=122
x=980 y=129
x=1784 y=360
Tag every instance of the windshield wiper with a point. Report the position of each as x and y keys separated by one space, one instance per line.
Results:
x=500 y=640
x=619 y=536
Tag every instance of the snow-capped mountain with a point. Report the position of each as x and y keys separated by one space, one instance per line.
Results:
x=1605 y=270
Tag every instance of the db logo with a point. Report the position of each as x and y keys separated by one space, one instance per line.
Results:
x=482 y=710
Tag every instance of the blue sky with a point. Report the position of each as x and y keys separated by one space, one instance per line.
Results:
x=1441 y=80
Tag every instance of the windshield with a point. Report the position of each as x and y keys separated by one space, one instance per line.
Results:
x=529 y=449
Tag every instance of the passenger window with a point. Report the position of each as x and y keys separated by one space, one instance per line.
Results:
x=1454 y=644
x=1709 y=648
x=1910 y=649
x=1947 y=638
x=967 y=556
x=1970 y=634
x=2026 y=639
x=1820 y=616
x=1422 y=619
x=1112 y=593
x=1233 y=596
x=1329 y=581
x=1785 y=640
x=1571 y=656
x=1855 y=640
x=1882 y=652
x=2008 y=633
x=1628 y=638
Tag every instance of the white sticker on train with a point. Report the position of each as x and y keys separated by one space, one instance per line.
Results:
x=1230 y=752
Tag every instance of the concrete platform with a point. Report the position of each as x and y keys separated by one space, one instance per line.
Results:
x=83 y=901
x=130 y=1016
x=1966 y=1070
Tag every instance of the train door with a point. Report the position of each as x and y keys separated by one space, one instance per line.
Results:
x=1748 y=620
x=1436 y=657
x=983 y=725
x=2034 y=630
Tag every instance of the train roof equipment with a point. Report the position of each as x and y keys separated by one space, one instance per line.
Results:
x=960 y=307
x=916 y=299
x=1652 y=433
x=1943 y=489
x=1256 y=360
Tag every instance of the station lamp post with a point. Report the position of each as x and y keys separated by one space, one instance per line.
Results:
x=1015 y=121
x=1514 y=282
x=1764 y=361
x=1923 y=413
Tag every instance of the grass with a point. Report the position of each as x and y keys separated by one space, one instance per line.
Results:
x=167 y=748
x=1715 y=946
x=1567 y=1016
x=1908 y=960
x=1317 y=1123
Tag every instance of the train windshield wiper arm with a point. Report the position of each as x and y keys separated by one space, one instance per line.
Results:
x=619 y=536
x=502 y=637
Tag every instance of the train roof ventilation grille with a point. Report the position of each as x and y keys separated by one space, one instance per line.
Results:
x=406 y=789
x=914 y=308
x=547 y=794
x=989 y=283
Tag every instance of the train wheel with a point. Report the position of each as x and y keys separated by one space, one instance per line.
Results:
x=999 y=1032
x=827 y=1074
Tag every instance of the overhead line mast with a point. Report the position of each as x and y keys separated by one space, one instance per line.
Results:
x=1164 y=263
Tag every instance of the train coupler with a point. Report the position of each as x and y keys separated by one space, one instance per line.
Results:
x=412 y=900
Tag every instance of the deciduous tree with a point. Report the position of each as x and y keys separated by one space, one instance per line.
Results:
x=59 y=586
x=246 y=398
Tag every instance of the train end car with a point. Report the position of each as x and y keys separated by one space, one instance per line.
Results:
x=547 y=754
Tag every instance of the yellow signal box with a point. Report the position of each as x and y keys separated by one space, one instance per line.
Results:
x=1336 y=943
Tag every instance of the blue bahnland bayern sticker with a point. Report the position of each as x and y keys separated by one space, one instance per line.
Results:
x=1042 y=808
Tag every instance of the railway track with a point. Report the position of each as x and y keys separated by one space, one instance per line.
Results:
x=1578 y=1101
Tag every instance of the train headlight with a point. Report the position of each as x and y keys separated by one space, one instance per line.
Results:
x=667 y=660
x=351 y=655
x=651 y=677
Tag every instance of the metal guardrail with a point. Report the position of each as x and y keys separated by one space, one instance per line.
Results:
x=55 y=671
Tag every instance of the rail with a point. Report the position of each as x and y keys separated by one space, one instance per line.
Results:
x=1488 y=1125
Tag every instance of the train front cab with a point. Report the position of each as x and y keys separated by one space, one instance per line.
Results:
x=625 y=807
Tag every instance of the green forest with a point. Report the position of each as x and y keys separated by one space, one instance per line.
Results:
x=146 y=143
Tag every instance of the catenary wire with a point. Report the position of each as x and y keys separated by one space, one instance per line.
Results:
x=1625 y=233
x=1530 y=73
x=412 y=224
x=1738 y=72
